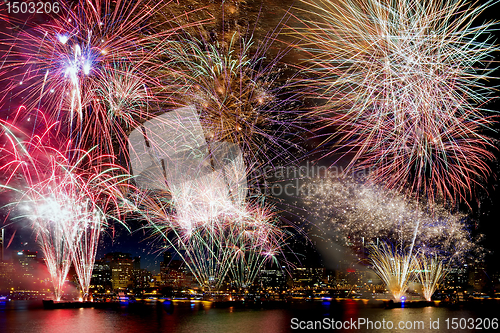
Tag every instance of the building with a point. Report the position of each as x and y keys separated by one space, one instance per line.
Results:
x=121 y=265
x=142 y=278
x=274 y=278
x=136 y=263
x=28 y=259
x=478 y=279
x=173 y=273
x=26 y=275
x=101 y=276
x=495 y=280
x=7 y=276
x=457 y=278
x=166 y=263
x=28 y=267
x=308 y=276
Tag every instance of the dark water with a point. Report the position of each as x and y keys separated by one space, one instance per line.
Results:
x=29 y=316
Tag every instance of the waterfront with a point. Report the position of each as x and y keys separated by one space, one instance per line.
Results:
x=29 y=316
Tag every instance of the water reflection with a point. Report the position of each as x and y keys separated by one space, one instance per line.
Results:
x=29 y=316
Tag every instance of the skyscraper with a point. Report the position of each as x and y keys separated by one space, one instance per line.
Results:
x=121 y=265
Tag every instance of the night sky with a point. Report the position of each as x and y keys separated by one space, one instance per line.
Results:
x=19 y=236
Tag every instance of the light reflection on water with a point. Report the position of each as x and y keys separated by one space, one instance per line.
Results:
x=29 y=316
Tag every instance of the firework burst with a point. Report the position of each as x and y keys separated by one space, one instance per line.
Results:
x=239 y=94
x=405 y=89
x=95 y=69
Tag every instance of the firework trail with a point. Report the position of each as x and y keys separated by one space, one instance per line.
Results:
x=431 y=272
x=394 y=268
x=405 y=89
x=68 y=201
